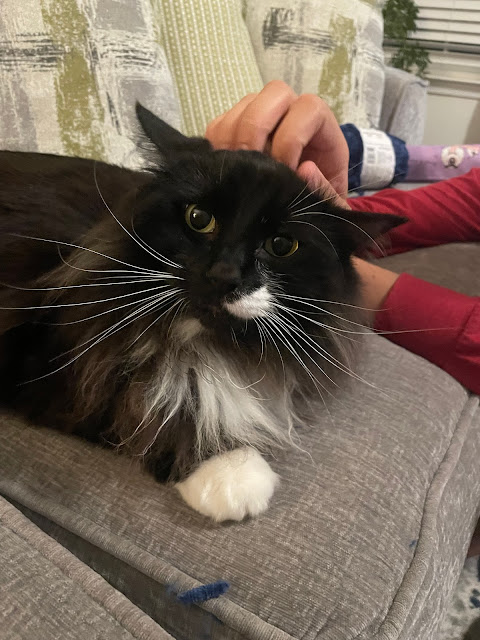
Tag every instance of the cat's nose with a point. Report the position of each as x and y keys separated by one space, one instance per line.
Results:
x=225 y=276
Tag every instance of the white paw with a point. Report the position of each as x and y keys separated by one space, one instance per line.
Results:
x=230 y=486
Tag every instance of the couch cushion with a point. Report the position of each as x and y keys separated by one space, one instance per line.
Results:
x=364 y=539
x=404 y=107
x=454 y=266
x=47 y=593
x=331 y=48
x=71 y=73
x=211 y=57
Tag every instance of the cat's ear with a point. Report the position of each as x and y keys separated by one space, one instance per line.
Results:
x=166 y=139
x=365 y=228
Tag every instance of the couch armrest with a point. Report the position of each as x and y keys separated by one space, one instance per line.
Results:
x=404 y=105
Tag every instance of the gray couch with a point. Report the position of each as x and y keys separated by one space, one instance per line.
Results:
x=363 y=540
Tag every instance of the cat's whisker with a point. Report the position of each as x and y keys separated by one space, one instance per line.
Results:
x=323 y=353
x=139 y=241
x=181 y=300
x=273 y=321
x=345 y=193
x=97 y=315
x=262 y=340
x=103 y=336
x=292 y=203
x=311 y=300
x=322 y=186
x=287 y=327
x=79 y=286
x=164 y=422
x=153 y=409
x=310 y=193
x=316 y=383
x=317 y=229
x=263 y=322
x=159 y=256
x=248 y=386
x=128 y=278
x=149 y=302
x=342 y=366
x=103 y=333
x=234 y=338
x=76 y=246
x=79 y=304
x=336 y=330
x=368 y=331
x=321 y=310
x=121 y=273
x=313 y=192
x=215 y=374
x=366 y=185
x=313 y=379
x=223 y=163
x=169 y=330
x=332 y=215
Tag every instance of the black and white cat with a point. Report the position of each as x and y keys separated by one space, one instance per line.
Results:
x=191 y=315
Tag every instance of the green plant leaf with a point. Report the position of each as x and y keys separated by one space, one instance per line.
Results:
x=400 y=18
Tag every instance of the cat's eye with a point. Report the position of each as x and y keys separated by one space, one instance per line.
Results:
x=281 y=246
x=199 y=220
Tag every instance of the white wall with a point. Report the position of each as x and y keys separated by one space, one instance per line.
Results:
x=453 y=104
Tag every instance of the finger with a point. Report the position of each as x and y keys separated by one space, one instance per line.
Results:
x=221 y=131
x=309 y=131
x=318 y=183
x=262 y=115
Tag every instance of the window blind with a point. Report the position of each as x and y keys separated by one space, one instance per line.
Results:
x=449 y=25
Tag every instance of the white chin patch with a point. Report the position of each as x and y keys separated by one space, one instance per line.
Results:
x=253 y=305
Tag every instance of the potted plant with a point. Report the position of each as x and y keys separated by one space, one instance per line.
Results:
x=400 y=19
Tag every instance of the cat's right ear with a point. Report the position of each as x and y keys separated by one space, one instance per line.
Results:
x=166 y=139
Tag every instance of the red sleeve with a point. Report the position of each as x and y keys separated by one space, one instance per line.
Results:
x=438 y=324
x=443 y=212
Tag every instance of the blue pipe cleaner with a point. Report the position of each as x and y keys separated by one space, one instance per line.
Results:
x=204 y=593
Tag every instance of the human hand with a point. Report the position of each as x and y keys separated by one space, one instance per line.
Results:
x=299 y=131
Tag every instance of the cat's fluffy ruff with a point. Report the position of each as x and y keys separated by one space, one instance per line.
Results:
x=232 y=401
x=138 y=331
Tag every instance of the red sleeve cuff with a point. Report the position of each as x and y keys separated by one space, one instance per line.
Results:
x=436 y=323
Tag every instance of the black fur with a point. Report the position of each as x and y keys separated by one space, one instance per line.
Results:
x=101 y=395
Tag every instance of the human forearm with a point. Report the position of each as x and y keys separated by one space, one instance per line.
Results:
x=440 y=325
x=448 y=211
x=375 y=283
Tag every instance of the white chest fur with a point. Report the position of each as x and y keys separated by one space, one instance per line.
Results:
x=242 y=407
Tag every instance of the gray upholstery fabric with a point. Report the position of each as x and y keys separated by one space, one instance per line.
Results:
x=47 y=594
x=71 y=72
x=363 y=540
x=404 y=105
x=449 y=265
